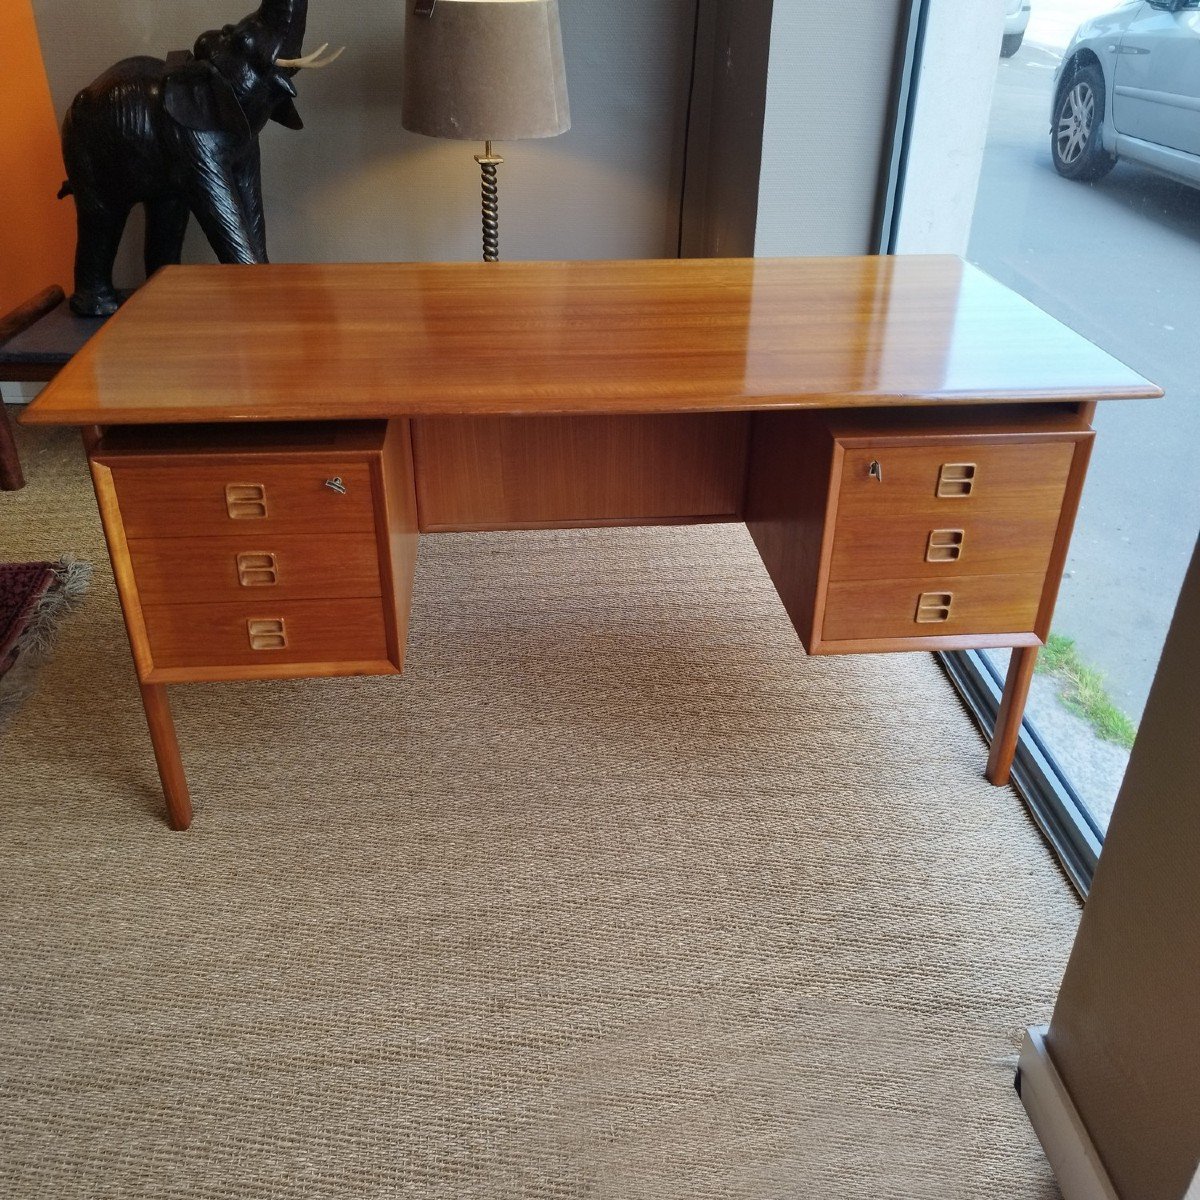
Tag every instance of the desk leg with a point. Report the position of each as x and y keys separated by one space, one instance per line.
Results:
x=1012 y=709
x=166 y=754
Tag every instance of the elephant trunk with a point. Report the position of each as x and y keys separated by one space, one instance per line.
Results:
x=289 y=18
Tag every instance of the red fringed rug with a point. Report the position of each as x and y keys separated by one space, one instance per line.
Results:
x=33 y=598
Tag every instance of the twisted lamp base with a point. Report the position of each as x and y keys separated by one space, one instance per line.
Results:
x=488 y=162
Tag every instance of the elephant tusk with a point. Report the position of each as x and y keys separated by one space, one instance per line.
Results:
x=306 y=61
x=326 y=61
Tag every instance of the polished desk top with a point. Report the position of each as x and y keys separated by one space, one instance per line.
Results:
x=350 y=341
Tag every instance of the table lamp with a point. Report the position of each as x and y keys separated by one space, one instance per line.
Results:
x=485 y=70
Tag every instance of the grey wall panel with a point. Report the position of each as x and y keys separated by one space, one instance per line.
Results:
x=355 y=186
x=1125 y=1035
x=829 y=90
x=725 y=133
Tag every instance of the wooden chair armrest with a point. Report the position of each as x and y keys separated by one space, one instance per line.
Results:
x=31 y=311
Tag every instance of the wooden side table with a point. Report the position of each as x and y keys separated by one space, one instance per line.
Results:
x=36 y=341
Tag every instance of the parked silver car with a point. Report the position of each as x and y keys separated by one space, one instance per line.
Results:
x=1016 y=21
x=1129 y=88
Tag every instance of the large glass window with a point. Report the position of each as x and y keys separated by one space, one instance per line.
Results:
x=1089 y=205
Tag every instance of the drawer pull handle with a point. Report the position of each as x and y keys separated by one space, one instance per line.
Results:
x=267 y=635
x=875 y=470
x=257 y=570
x=336 y=485
x=933 y=607
x=245 y=501
x=956 y=479
x=945 y=545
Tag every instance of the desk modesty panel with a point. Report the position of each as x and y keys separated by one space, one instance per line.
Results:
x=905 y=439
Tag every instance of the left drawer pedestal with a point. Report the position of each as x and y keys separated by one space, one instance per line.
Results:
x=259 y=552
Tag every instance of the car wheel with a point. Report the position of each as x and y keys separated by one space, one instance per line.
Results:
x=1075 y=139
x=1011 y=43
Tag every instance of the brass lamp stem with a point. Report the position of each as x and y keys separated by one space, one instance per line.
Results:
x=488 y=162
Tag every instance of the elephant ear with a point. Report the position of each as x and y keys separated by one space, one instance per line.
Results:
x=199 y=97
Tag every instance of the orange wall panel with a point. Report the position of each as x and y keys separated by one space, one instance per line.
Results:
x=37 y=231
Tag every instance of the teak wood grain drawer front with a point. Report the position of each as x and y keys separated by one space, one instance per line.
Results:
x=859 y=610
x=899 y=544
x=266 y=633
x=250 y=567
x=998 y=479
x=208 y=499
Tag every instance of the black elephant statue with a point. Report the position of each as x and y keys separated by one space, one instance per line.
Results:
x=181 y=138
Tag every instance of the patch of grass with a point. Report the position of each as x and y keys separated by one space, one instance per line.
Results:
x=1081 y=689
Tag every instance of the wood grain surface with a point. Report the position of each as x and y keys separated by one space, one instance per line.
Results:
x=12 y=479
x=167 y=501
x=196 y=570
x=317 y=631
x=338 y=341
x=122 y=567
x=863 y=609
x=396 y=532
x=161 y=724
x=790 y=484
x=515 y=472
x=1008 y=523
x=896 y=545
x=31 y=311
x=1011 y=479
x=1007 y=732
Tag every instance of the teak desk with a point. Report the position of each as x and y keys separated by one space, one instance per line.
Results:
x=905 y=438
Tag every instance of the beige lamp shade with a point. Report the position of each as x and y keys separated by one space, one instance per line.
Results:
x=485 y=70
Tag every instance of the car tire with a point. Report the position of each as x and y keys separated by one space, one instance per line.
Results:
x=1011 y=43
x=1076 y=141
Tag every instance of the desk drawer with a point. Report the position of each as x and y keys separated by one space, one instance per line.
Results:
x=282 y=566
x=893 y=545
x=243 y=496
x=859 y=610
x=944 y=482
x=267 y=632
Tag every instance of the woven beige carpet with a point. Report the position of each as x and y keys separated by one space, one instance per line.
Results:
x=614 y=894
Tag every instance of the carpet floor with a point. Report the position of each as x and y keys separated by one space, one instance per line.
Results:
x=613 y=894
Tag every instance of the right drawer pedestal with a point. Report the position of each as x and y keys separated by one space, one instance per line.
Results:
x=929 y=532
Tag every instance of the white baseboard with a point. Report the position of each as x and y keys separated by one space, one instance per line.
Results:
x=1056 y=1121
x=19 y=393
